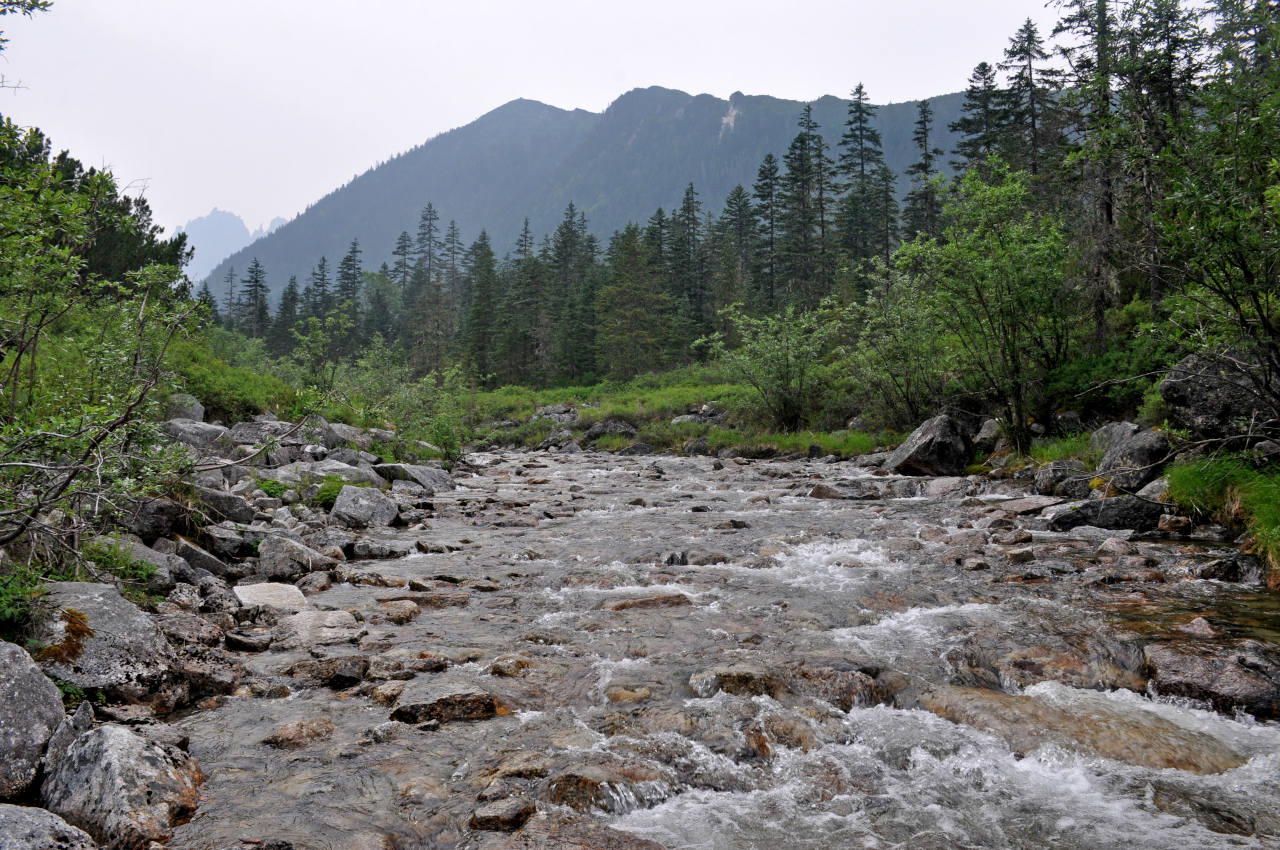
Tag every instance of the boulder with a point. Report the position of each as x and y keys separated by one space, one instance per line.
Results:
x=937 y=447
x=443 y=702
x=125 y=655
x=337 y=434
x=561 y=414
x=740 y=679
x=201 y=436
x=988 y=435
x=352 y=457
x=30 y=711
x=255 y=433
x=1210 y=399
x=123 y=790
x=431 y=479
x=199 y=559
x=363 y=507
x=1241 y=675
x=316 y=628
x=612 y=427
x=155 y=518
x=184 y=406
x=1135 y=460
x=1049 y=476
x=307 y=472
x=282 y=558
x=222 y=505
x=1112 y=433
x=1121 y=512
x=68 y=730
x=29 y=828
x=300 y=733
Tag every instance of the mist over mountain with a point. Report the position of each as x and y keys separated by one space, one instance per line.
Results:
x=217 y=235
x=528 y=159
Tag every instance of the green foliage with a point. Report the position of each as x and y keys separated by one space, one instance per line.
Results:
x=1072 y=447
x=327 y=492
x=274 y=489
x=778 y=357
x=20 y=587
x=236 y=392
x=1234 y=492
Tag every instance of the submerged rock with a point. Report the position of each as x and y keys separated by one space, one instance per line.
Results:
x=443 y=702
x=1243 y=675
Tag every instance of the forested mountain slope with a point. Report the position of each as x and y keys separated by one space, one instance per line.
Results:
x=527 y=159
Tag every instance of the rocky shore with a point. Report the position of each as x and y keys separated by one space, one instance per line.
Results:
x=541 y=649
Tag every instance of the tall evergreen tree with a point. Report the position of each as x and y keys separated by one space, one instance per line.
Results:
x=480 y=324
x=404 y=256
x=252 y=312
x=768 y=226
x=922 y=213
x=230 y=303
x=1029 y=100
x=734 y=244
x=288 y=312
x=347 y=291
x=888 y=232
x=320 y=301
x=690 y=290
x=861 y=156
x=633 y=309
x=982 y=124
x=805 y=193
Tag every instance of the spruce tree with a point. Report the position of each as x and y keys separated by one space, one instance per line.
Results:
x=280 y=337
x=922 y=213
x=230 y=304
x=481 y=271
x=633 y=310
x=861 y=156
x=1029 y=100
x=252 y=312
x=733 y=246
x=805 y=193
x=347 y=289
x=768 y=226
x=404 y=256
x=690 y=290
x=320 y=301
x=982 y=123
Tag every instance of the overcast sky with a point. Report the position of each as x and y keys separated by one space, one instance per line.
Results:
x=261 y=107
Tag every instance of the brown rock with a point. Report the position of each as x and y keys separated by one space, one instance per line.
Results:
x=300 y=733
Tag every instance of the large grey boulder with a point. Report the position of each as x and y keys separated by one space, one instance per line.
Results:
x=126 y=657
x=1121 y=512
x=199 y=435
x=432 y=479
x=336 y=434
x=307 y=472
x=71 y=727
x=611 y=427
x=222 y=505
x=987 y=437
x=280 y=557
x=285 y=598
x=123 y=790
x=1050 y=476
x=1209 y=399
x=154 y=518
x=937 y=447
x=29 y=828
x=30 y=711
x=1135 y=460
x=254 y=433
x=184 y=406
x=202 y=560
x=169 y=569
x=363 y=507
x=1113 y=433
x=443 y=702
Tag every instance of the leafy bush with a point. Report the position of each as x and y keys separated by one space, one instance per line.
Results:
x=327 y=492
x=20 y=587
x=274 y=489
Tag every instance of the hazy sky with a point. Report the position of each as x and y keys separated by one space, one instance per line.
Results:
x=262 y=106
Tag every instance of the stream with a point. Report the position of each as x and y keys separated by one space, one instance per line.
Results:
x=696 y=653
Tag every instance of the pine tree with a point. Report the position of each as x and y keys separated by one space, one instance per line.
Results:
x=887 y=232
x=252 y=312
x=210 y=304
x=982 y=123
x=347 y=288
x=404 y=256
x=690 y=290
x=922 y=213
x=479 y=326
x=280 y=337
x=861 y=156
x=633 y=309
x=229 y=302
x=320 y=300
x=768 y=226
x=805 y=192
x=1029 y=100
x=734 y=242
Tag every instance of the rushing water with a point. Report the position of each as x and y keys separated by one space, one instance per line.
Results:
x=602 y=584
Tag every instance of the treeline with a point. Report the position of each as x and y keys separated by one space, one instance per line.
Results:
x=1115 y=204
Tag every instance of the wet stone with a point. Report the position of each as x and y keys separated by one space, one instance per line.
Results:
x=443 y=702
x=503 y=815
x=300 y=733
x=666 y=600
x=740 y=679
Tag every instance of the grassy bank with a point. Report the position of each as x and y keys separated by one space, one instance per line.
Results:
x=1234 y=492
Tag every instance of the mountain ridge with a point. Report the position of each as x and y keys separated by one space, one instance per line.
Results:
x=530 y=159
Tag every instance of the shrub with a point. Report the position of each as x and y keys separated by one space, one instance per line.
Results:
x=1232 y=491
x=274 y=489
x=327 y=493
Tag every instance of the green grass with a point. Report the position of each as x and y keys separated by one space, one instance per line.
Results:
x=327 y=494
x=1073 y=447
x=274 y=489
x=1231 y=491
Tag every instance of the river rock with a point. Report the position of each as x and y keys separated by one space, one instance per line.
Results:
x=740 y=679
x=184 y=629
x=300 y=733
x=1133 y=737
x=1209 y=399
x=30 y=711
x=306 y=472
x=1049 y=476
x=285 y=598
x=1121 y=512
x=611 y=427
x=316 y=628
x=504 y=815
x=126 y=657
x=280 y=557
x=155 y=518
x=431 y=479
x=1242 y=675
x=1135 y=460
x=937 y=447
x=559 y=831
x=71 y=727
x=443 y=702
x=200 y=559
x=123 y=790
x=29 y=828
x=254 y=433
x=1112 y=433
x=987 y=436
x=363 y=507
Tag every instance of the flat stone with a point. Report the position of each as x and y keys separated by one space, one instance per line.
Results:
x=300 y=733
x=363 y=507
x=665 y=600
x=316 y=628
x=503 y=815
x=1029 y=504
x=1242 y=675
x=281 y=557
x=279 y=597
x=432 y=480
x=224 y=505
